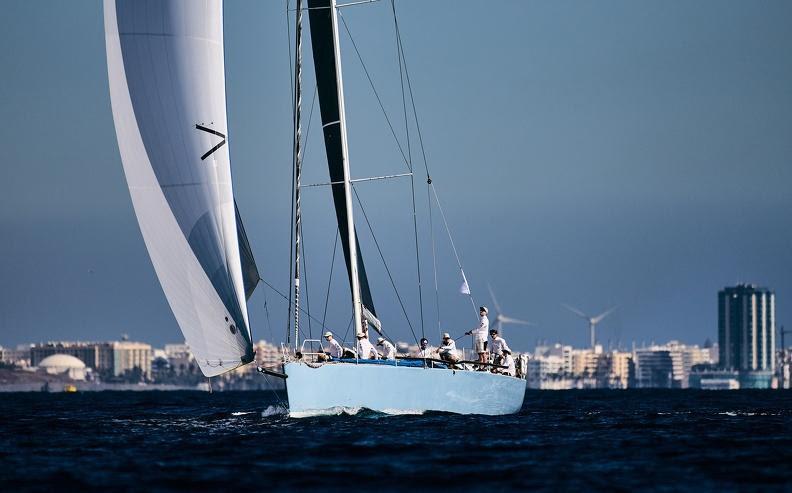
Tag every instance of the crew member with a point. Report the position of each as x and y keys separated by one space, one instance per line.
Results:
x=388 y=349
x=496 y=346
x=424 y=350
x=364 y=324
x=508 y=362
x=480 y=337
x=365 y=350
x=448 y=350
x=334 y=351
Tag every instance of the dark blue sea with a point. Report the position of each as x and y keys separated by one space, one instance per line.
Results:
x=240 y=441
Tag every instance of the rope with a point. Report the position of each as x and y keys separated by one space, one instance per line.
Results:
x=289 y=300
x=266 y=313
x=453 y=246
x=271 y=388
x=387 y=269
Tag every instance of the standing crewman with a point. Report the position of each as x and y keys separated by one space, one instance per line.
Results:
x=365 y=350
x=480 y=337
x=388 y=349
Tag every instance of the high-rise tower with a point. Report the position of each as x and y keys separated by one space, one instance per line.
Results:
x=746 y=328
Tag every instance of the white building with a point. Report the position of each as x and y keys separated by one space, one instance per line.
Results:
x=63 y=364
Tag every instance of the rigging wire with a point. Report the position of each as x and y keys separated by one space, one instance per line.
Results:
x=387 y=269
x=399 y=55
x=376 y=94
x=302 y=310
x=407 y=160
x=423 y=155
x=434 y=255
x=330 y=280
x=349 y=326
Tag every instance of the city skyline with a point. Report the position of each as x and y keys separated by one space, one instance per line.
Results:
x=593 y=157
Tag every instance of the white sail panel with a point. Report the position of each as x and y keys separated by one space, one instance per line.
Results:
x=167 y=88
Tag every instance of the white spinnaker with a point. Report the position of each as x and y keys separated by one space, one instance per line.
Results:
x=166 y=72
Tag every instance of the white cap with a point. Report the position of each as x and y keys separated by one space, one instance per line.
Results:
x=380 y=340
x=446 y=335
x=328 y=334
x=360 y=334
x=483 y=309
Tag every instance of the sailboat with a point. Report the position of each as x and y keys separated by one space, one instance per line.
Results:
x=167 y=86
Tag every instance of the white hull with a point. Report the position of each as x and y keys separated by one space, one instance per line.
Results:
x=399 y=389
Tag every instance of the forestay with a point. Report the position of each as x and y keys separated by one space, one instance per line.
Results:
x=167 y=87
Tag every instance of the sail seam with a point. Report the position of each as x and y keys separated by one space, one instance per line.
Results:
x=169 y=35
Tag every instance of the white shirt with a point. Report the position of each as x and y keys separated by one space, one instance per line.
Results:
x=366 y=350
x=480 y=332
x=335 y=350
x=508 y=362
x=497 y=345
x=388 y=350
x=449 y=348
x=425 y=353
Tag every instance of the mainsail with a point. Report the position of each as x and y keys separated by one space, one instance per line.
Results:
x=327 y=81
x=167 y=87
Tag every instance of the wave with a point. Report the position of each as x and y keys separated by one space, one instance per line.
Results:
x=747 y=413
x=404 y=412
x=354 y=411
x=275 y=410
x=333 y=411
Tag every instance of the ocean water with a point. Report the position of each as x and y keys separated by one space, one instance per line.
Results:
x=242 y=441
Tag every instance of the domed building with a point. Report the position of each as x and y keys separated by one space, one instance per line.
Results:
x=59 y=364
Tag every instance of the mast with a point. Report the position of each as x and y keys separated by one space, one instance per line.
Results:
x=297 y=168
x=353 y=253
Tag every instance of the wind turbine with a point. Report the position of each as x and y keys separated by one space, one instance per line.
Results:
x=500 y=318
x=592 y=321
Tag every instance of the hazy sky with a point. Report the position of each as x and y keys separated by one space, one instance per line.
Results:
x=627 y=153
